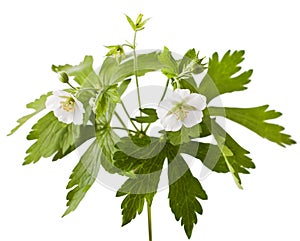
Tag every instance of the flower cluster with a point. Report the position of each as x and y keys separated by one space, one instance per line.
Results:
x=180 y=108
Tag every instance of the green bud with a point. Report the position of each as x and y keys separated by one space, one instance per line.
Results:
x=63 y=77
x=139 y=19
x=117 y=51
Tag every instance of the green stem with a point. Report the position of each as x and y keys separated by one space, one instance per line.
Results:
x=121 y=128
x=165 y=91
x=149 y=221
x=71 y=86
x=135 y=69
x=147 y=127
x=120 y=119
x=126 y=112
x=161 y=99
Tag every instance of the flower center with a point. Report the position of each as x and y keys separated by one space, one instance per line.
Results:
x=180 y=111
x=68 y=105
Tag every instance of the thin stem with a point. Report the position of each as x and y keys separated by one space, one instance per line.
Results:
x=124 y=129
x=71 y=86
x=147 y=127
x=135 y=69
x=120 y=119
x=149 y=221
x=126 y=112
x=161 y=99
x=165 y=90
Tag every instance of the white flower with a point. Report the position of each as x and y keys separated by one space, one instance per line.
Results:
x=65 y=107
x=181 y=108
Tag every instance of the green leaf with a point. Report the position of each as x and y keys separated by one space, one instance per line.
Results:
x=132 y=157
x=132 y=205
x=184 y=192
x=145 y=119
x=184 y=135
x=223 y=76
x=51 y=136
x=139 y=23
x=99 y=153
x=123 y=87
x=234 y=155
x=112 y=72
x=150 y=118
x=209 y=154
x=187 y=59
x=189 y=83
x=147 y=166
x=130 y=21
x=184 y=188
x=106 y=98
x=170 y=66
x=83 y=176
x=86 y=133
x=104 y=134
x=140 y=139
x=149 y=111
x=191 y=63
x=38 y=105
x=255 y=119
x=107 y=139
x=83 y=73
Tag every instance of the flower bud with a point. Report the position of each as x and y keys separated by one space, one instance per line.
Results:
x=63 y=77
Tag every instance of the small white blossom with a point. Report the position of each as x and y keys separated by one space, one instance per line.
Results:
x=181 y=108
x=65 y=107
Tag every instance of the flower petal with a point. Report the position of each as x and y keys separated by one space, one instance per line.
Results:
x=196 y=100
x=60 y=93
x=67 y=118
x=64 y=116
x=183 y=93
x=171 y=123
x=164 y=108
x=77 y=117
x=52 y=102
x=193 y=118
x=176 y=97
x=78 y=106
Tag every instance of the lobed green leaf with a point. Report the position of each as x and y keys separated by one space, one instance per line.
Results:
x=170 y=66
x=83 y=176
x=184 y=135
x=112 y=72
x=147 y=171
x=52 y=136
x=184 y=192
x=255 y=119
x=223 y=75
x=83 y=73
x=38 y=105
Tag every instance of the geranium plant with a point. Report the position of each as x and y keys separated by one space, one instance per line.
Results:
x=91 y=112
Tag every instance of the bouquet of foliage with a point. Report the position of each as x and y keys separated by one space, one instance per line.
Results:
x=154 y=138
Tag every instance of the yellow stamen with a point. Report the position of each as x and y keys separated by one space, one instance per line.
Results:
x=68 y=105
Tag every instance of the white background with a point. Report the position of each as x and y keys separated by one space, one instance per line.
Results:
x=37 y=34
